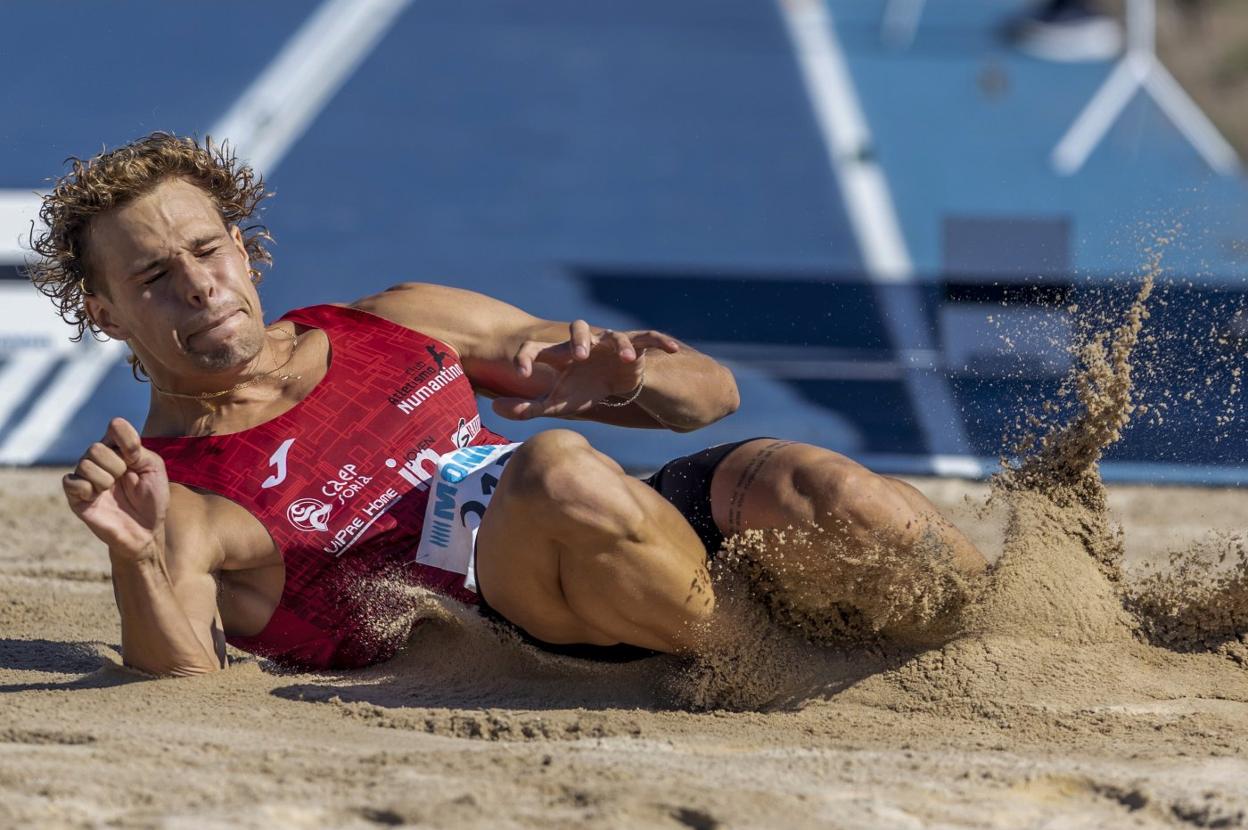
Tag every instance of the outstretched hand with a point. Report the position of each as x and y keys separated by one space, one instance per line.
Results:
x=121 y=492
x=588 y=367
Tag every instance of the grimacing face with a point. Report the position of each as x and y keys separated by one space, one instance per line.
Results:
x=179 y=291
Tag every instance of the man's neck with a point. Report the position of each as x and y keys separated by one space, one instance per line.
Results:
x=273 y=382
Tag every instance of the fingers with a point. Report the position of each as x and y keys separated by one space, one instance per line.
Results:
x=523 y=409
x=77 y=489
x=106 y=459
x=654 y=340
x=123 y=437
x=95 y=475
x=105 y=462
x=628 y=344
x=536 y=351
x=623 y=344
x=516 y=409
x=582 y=339
x=96 y=472
x=525 y=356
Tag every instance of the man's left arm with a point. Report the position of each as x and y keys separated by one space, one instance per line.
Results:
x=535 y=367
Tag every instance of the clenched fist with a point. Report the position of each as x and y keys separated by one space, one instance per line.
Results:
x=121 y=492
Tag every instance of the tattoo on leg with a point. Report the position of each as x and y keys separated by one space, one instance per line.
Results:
x=735 y=506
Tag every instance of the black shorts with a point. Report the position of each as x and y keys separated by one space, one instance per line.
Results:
x=686 y=483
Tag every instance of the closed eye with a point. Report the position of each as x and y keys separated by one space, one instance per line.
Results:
x=206 y=252
x=154 y=277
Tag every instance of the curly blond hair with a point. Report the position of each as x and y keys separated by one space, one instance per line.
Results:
x=117 y=177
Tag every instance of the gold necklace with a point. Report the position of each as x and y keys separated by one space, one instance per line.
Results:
x=205 y=397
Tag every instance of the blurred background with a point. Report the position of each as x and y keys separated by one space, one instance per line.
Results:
x=888 y=216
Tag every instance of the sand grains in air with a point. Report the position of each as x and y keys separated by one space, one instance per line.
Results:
x=1054 y=624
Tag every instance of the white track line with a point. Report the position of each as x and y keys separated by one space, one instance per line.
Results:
x=848 y=140
x=20 y=375
x=873 y=217
x=270 y=115
x=74 y=384
x=278 y=107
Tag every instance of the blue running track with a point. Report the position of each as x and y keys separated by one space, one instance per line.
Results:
x=656 y=164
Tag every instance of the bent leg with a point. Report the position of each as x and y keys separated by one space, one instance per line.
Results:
x=573 y=550
x=777 y=484
x=966 y=557
x=868 y=543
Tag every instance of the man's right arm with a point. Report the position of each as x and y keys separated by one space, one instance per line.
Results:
x=165 y=588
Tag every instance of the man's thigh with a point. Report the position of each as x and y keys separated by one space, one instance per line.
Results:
x=561 y=512
x=518 y=552
x=763 y=484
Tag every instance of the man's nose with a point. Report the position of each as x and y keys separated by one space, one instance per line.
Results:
x=195 y=280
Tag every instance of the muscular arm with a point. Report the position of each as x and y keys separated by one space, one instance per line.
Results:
x=683 y=391
x=161 y=548
x=169 y=619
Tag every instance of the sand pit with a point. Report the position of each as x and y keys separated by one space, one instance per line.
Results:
x=1073 y=686
x=1084 y=727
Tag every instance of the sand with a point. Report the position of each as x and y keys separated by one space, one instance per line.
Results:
x=1078 y=727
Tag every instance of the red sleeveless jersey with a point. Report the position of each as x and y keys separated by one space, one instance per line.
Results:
x=340 y=481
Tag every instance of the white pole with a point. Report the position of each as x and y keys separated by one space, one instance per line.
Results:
x=1140 y=69
x=1142 y=26
x=1097 y=117
x=901 y=23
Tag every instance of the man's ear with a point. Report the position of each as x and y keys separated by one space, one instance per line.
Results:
x=236 y=234
x=101 y=315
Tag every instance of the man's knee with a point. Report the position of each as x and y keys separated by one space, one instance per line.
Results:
x=564 y=479
x=545 y=465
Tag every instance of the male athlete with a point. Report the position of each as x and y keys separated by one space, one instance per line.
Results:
x=284 y=468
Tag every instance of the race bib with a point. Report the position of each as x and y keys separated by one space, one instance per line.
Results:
x=458 y=496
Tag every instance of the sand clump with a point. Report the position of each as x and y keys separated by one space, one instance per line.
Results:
x=754 y=660
x=1057 y=623
x=1198 y=601
x=1062 y=562
x=1054 y=588
x=1058 y=462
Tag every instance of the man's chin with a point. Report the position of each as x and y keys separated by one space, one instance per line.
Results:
x=214 y=362
x=226 y=356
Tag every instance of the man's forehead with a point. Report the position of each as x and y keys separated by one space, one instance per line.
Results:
x=174 y=212
x=171 y=204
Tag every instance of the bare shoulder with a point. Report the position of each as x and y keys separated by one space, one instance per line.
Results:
x=412 y=300
x=468 y=321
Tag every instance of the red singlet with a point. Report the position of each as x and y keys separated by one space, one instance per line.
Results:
x=340 y=482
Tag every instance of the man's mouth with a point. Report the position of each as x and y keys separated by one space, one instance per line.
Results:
x=213 y=324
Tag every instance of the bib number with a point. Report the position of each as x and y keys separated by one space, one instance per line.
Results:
x=458 y=497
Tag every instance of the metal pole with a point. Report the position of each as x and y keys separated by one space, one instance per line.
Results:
x=1140 y=69
x=1142 y=26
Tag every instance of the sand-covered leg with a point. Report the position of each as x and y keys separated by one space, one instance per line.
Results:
x=836 y=549
x=573 y=550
